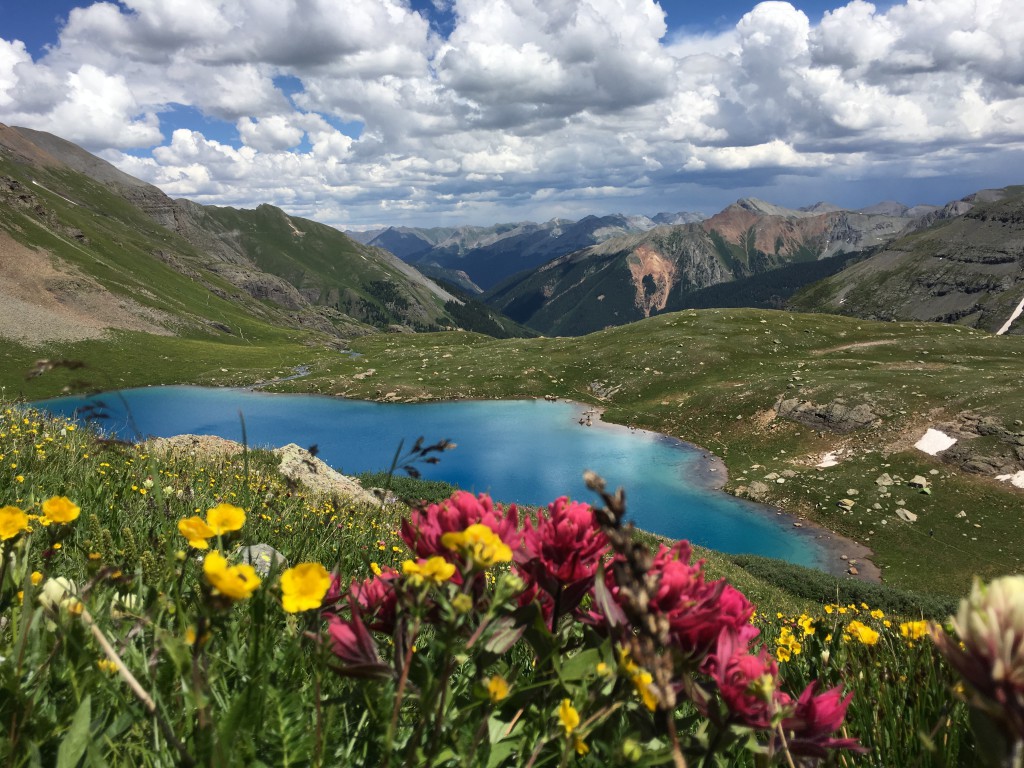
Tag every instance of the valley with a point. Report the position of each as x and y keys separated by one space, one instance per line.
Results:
x=112 y=285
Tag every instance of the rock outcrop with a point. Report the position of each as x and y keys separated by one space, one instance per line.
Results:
x=836 y=416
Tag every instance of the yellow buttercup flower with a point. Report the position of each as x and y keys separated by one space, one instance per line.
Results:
x=914 y=630
x=236 y=582
x=579 y=745
x=480 y=544
x=862 y=632
x=225 y=518
x=806 y=624
x=37 y=578
x=642 y=680
x=12 y=522
x=436 y=570
x=568 y=717
x=497 y=688
x=196 y=531
x=60 y=509
x=304 y=586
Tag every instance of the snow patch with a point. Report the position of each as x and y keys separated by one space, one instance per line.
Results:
x=830 y=459
x=934 y=441
x=1006 y=326
x=1016 y=479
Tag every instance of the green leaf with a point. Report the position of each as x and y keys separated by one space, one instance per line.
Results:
x=73 y=745
x=581 y=665
x=501 y=753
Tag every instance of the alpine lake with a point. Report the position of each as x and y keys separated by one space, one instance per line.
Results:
x=523 y=451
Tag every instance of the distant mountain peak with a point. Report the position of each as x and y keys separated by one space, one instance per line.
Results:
x=822 y=207
x=765 y=208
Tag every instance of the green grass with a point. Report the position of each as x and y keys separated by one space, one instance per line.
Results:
x=243 y=684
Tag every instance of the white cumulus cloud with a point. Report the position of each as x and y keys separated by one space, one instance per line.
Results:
x=353 y=111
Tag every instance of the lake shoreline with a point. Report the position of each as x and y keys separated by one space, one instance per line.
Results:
x=840 y=552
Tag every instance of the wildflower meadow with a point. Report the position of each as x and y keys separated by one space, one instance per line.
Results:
x=138 y=628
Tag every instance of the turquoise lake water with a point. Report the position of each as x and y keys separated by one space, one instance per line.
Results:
x=526 y=451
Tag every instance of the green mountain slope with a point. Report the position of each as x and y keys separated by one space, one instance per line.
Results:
x=268 y=266
x=967 y=270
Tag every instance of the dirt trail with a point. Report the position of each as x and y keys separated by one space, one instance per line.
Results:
x=854 y=345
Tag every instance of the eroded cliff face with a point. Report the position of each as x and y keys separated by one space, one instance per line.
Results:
x=653 y=278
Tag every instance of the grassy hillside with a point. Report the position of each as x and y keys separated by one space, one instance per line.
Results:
x=199 y=270
x=714 y=378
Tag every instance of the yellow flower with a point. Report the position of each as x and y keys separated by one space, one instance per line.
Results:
x=914 y=630
x=829 y=609
x=462 y=603
x=107 y=666
x=877 y=614
x=224 y=518
x=568 y=717
x=196 y=531
x=436 y=570
x=37 y=578
x=304 y=586
x=482 y=545
x=236 y=582
x=497 y=688
x=579 y=745
x=12 y=522
x=806 y=624
x=60 y=509
x=788 y=645
x=862 y=632
x=642 y=680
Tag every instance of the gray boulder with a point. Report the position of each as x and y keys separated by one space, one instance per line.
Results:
x=303 y=468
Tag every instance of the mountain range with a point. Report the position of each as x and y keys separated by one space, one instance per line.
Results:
x=668 y=268
x=967 y=268
x=477 y=258
x=85 y=246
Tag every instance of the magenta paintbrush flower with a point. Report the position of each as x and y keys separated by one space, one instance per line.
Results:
x=423 y=530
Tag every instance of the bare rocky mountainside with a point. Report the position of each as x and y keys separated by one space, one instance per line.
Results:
x=967 y=270
x=668 y=268
x=86 y=247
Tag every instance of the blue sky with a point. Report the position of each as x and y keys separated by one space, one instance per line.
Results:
x=373 y=112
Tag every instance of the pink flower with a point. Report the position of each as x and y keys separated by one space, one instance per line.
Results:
x=815 y=719
x=423 y=531
x=748 y=683
x=697 y=611
x=560 y=555
x=351 y=642
x=376 y=598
